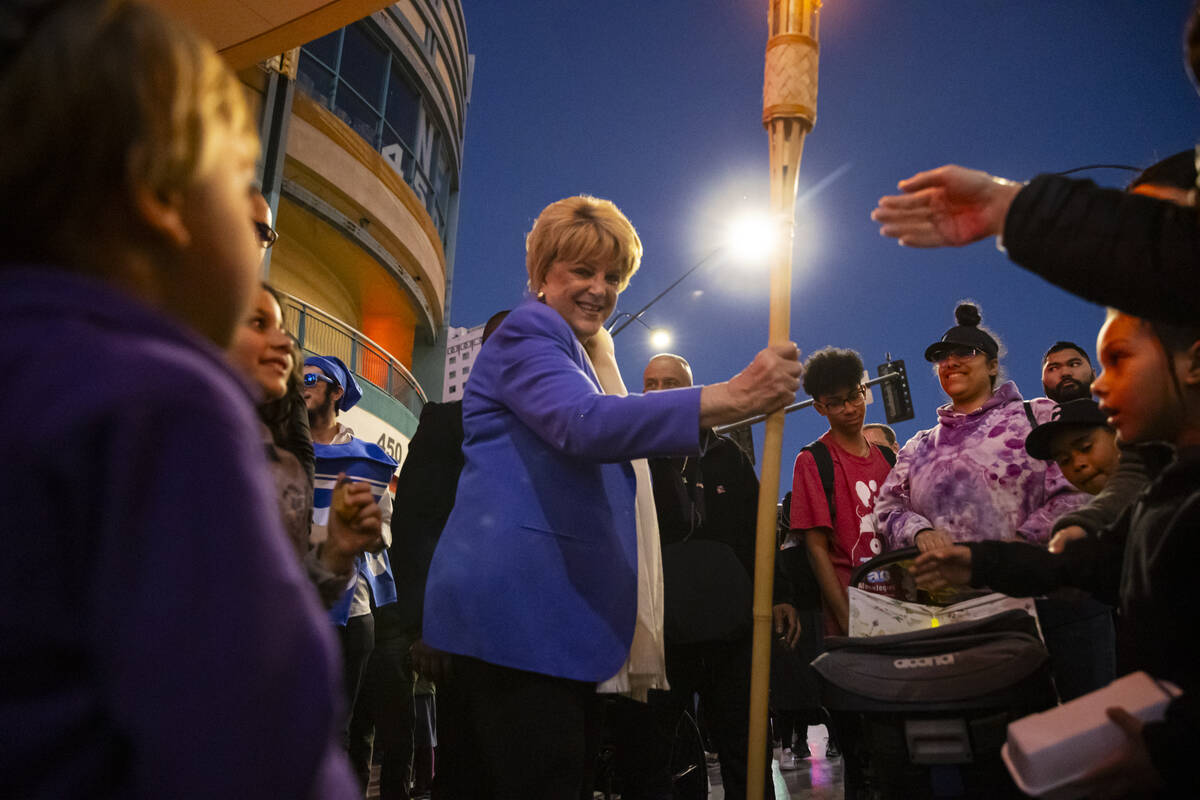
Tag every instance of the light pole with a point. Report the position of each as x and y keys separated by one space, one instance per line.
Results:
x=618 y=324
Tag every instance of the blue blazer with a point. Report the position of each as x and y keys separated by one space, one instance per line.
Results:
x=537 y=566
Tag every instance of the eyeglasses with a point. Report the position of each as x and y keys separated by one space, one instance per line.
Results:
x=838 y=403
x=266 y=234
x=312 y=378
x=959 y=353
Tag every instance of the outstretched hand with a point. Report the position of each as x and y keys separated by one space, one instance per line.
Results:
x=938 y=569
x=946 y=207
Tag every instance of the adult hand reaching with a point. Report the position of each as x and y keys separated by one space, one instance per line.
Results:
x=946 y=207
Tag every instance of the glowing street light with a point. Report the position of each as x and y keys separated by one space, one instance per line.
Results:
x=750 y=238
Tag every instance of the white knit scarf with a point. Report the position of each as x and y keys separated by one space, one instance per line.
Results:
x=645 y=668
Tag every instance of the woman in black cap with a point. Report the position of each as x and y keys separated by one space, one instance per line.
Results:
x=969 y=478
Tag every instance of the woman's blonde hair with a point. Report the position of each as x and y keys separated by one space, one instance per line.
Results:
x=582 y=229
x=98 y=97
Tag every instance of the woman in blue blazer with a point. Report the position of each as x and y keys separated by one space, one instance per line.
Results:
x=533 y=586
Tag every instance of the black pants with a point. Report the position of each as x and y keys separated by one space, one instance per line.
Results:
x=506 y=734
x=357 y=637
x=383 y=718
x=719 y=672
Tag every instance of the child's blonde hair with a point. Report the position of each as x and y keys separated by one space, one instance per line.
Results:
x=98 y=97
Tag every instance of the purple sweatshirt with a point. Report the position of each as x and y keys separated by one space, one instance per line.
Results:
x=157 y=635
x=970 y=476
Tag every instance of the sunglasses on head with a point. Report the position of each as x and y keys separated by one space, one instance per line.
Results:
x=312 y=378
x=266 y=234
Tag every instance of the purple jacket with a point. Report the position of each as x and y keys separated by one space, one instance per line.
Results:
x=970 y=475
x=157 y=635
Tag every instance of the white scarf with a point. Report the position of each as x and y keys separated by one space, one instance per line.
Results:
x=646 y=666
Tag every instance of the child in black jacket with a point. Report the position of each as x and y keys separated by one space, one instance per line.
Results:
x=1144 y=563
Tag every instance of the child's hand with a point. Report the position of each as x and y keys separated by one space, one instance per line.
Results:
x=1064 y=535
x=1128 y=774
x=939 y=569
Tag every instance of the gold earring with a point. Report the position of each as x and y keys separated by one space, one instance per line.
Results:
x=541 y=296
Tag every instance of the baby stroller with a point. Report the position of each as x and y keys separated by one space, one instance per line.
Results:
x=924 y=713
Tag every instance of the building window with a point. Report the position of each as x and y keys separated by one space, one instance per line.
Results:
x=466 y=370
x=453 y=389
x=453 y=359
x=453 y=373
x=352 y=73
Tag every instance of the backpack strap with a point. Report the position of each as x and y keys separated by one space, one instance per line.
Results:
x=1033 y=423
x=824 y=461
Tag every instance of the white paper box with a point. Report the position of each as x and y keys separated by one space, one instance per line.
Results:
x=1046 y=751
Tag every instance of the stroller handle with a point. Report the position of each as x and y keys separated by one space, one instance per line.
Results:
x=878 y=562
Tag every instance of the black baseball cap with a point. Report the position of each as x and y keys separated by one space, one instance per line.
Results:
x=966 y=333
x=1082 y=413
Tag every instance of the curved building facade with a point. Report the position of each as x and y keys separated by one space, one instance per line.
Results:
x=363 y=131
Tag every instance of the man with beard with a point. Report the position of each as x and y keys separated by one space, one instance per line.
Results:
x=1067 y=373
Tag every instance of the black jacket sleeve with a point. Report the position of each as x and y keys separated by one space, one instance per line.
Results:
x=1134 y=253
x=1023 y=570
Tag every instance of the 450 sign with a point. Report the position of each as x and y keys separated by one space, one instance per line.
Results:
x=393 y=447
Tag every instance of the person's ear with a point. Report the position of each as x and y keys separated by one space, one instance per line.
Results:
x=337 y=393
x=993 y=366
x=1188 y=364
x=162 y=212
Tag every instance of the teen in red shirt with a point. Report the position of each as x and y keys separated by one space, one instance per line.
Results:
x=840 y=541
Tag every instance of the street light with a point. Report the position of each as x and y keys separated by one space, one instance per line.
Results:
x=660 y=338
x=749 y=238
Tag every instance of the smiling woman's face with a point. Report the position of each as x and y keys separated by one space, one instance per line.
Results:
x=261 y=349
x=967 y=378
x=584 y=294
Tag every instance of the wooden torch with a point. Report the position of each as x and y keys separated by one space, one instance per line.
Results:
x=789 y=113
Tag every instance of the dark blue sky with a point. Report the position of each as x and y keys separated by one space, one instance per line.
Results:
x=657 y=106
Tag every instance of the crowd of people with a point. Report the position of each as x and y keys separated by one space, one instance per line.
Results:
x=208 y=593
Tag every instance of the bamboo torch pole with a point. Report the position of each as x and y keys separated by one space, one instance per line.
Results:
x=789 y=113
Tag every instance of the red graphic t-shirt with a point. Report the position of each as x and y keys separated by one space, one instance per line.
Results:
x=856 y=482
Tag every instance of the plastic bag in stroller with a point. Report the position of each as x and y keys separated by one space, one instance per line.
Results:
x=924 y=713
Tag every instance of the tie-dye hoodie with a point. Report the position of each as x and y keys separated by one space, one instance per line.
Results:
x=970 y=476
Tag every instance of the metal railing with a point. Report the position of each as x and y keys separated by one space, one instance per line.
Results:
x=320 y=333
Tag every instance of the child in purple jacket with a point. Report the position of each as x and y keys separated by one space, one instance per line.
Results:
x=157 y=636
